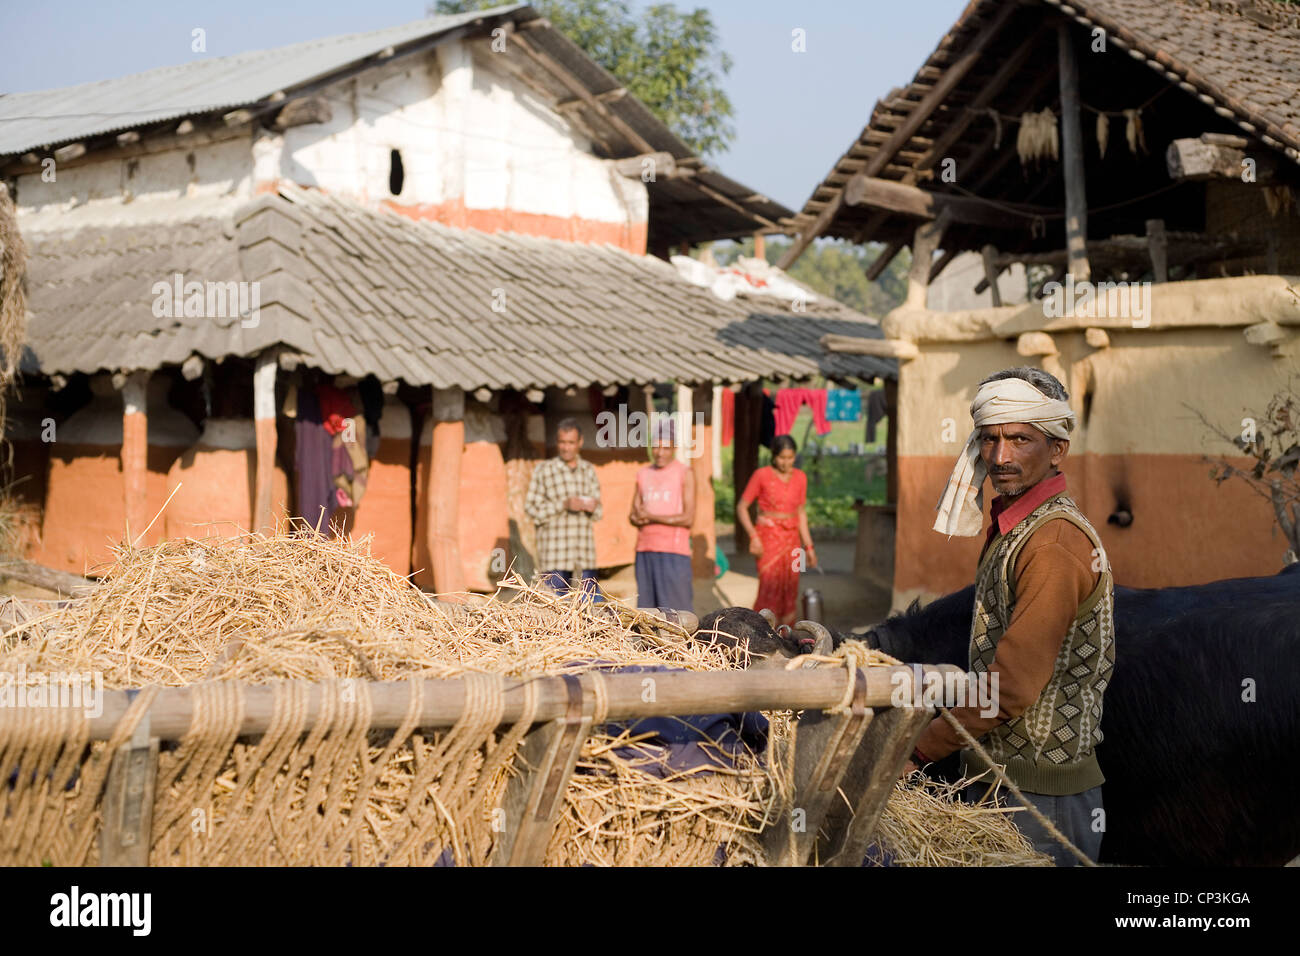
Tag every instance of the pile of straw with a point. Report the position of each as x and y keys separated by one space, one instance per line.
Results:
x=258 y=609
x=926 y=823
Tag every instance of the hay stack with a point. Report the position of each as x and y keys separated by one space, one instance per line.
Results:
x=257 y=609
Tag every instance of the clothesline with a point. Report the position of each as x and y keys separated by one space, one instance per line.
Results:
x=1006 y=117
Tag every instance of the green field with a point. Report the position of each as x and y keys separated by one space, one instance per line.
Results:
x=834 y=481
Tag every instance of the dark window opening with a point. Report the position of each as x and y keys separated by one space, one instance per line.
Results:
x=396 y=174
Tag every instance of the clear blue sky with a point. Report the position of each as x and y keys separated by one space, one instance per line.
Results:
x=796 y=113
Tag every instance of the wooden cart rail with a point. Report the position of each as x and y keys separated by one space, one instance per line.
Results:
x=850 y=744
x=675 y=693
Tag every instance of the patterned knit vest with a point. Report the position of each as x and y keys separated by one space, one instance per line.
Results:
x=1050 y=748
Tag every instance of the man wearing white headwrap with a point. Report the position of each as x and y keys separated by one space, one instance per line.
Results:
x=998 y=402
x=1042 y=632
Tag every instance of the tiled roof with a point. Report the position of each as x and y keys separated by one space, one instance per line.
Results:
x=358 y=291
x=1226 y=65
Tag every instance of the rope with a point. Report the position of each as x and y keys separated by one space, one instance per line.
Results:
x=600 y=690
x=1034 y=812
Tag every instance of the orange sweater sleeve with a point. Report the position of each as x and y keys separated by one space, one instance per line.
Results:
x=1053 y=577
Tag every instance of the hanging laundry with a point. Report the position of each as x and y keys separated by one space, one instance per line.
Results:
x=335 y=408
x=843 y=405
x=790 y=400
x=728 y=416
x=875 y=412
x=313 y=452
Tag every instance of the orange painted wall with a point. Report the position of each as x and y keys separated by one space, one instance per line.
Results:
x=385 y=509
x=629 y=236
x=85 y=509
x=1185 y=530
x=214 y=490
x=484 y=521
x=616 y=471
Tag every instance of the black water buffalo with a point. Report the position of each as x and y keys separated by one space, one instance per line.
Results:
x=1201 y=719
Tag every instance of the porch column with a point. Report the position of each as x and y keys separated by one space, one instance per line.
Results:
x=1072 y=166
x=703 y=535
x=135 y=454
x=445 y=452
x=267 y=440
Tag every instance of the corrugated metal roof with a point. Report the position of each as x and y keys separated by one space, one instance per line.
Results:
x=49 y=117
x=498 y=310
x=680 y=210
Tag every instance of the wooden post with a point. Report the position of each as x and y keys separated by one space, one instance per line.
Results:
x=264 y=429
x=135 y=454
x=824 y=746
x=534 y=797
x=744 y=461
x=991 y=270
x=924 y=244
x=760 y=246
x=128 y=800
x=868 y=782
x=446 y=450
x=703 y=537
x=685 y=418
x=1158 y=243
x=891 y=441
x=1072 y=162
x=716 y=419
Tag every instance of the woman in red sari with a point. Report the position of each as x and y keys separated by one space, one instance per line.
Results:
x=775 y=539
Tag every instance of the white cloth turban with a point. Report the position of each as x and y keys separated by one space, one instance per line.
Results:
x=961 y=509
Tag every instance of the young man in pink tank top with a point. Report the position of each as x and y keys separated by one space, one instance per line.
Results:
x=663 y=509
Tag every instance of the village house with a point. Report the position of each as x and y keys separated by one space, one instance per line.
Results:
x=1139 y=158
x=460 y=224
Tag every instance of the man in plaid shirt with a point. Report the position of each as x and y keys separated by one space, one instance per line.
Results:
x=563 y=501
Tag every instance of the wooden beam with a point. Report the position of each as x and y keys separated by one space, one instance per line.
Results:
x=303 y=112
x=942 y=262
x=910 y=125
x=991 y=272
x=584 y=94
x=609 y=96
x=1072 y=160
x=1159 y=244
x=860 y=345
x=887 y=255
x=868 y=782
x=681 y=693
x=733 y=205
x=922 y=204
x=824 y=746
x=128 y=800
x=661 y=163
x=986 y=95
x=926 y=242
x=534 y=797
x=60 y=582
x=1193 y=160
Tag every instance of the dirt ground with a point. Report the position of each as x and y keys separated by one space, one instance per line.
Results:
x=848 y=602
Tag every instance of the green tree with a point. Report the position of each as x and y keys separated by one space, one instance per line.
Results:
x=836 y=269
x=666 y=57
